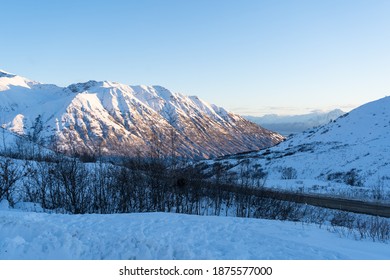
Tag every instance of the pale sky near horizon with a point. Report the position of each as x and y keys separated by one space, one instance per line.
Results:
x=252 y=56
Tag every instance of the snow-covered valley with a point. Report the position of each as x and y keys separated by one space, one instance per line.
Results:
x=109 y=208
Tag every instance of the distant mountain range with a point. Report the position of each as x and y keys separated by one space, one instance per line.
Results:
x=116 y=119
x=292 y=124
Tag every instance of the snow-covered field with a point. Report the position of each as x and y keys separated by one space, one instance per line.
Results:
x=33 y=235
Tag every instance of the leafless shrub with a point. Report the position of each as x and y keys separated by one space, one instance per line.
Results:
x=288 y=173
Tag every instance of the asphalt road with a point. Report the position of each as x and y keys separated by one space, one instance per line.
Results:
x=351 y=205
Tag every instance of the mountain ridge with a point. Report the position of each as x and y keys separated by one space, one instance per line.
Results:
x=114 y=118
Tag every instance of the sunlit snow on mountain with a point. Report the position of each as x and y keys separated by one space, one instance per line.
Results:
x=117 y=119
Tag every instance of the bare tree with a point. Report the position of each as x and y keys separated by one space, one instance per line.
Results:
x=10 y=174
x=74 y=178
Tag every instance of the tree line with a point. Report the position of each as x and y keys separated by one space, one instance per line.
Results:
x=68 y=184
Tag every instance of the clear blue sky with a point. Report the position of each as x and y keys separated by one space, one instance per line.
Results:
x=251 y=57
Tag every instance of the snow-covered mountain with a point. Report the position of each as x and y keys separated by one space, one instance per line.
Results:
x=117 y=119
x=350 y=153
x=292 y=124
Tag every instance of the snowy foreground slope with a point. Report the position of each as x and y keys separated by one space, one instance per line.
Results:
x=29 y=235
